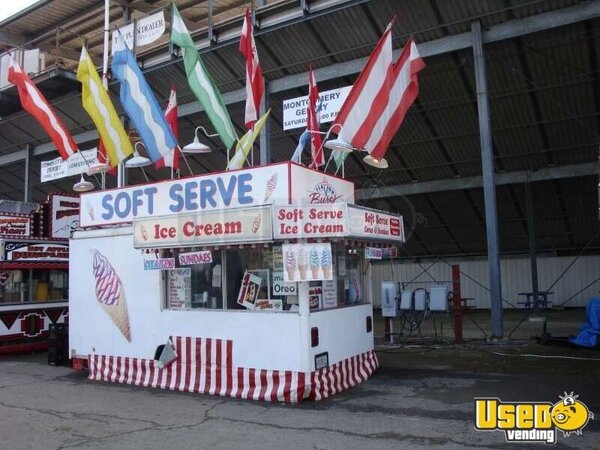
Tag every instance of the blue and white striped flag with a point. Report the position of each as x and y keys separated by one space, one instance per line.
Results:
x=140 y=104
x=304 y=139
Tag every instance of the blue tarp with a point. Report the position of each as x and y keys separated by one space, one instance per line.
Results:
x=589 y=334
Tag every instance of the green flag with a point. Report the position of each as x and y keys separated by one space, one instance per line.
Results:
x=200 y=81
x=339 y=158
x=243 y=147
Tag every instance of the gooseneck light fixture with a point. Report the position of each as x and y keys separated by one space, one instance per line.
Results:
x=196 y=146
x=83 y=185
x=137 y=160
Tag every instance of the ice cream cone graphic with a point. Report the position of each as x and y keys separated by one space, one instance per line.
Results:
x=326 y=263
x=256 y=224
x=271 y=185
x=302 y=263
x=290 y=264
x=110 y=294
x=314 y=263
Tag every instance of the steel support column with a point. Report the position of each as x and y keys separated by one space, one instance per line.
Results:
x=532 y=252
x=265 y=142
x=26 y=196
x=489 y=187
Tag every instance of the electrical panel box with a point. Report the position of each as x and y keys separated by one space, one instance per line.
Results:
x=389 y=299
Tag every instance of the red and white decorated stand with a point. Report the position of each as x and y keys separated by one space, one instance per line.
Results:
x=249 y=284
x=34 y=259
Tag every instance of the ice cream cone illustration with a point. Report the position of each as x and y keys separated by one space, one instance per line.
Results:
x=290 y=264
x=326 y=263
x=271 y=185
x=110 y=294
x=302 y=263
x=90 y=210
x=144 y=232
x=256 y=223
x=314 y=263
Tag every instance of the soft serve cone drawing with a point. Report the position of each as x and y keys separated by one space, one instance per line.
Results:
x=110 y=294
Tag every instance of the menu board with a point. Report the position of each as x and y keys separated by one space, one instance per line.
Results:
x=179 y=288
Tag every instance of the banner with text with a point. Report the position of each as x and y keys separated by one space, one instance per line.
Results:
x=219 y=191
x=329 y=104
x=208 y=228
x=148 y=30
x=60 y=168
x=372 y=224
x=318 y=221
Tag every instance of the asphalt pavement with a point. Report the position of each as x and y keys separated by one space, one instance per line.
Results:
x=421 y=397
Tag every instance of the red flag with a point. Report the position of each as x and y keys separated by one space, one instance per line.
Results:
x=254 y=78
x=368 y=97
x=36 y=104
x=313 y=123
x=103 y=158
x=172 y=158
x=402 y=94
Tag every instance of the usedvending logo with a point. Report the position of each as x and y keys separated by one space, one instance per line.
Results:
x=532 y=421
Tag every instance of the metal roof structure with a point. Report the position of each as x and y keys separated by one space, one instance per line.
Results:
x=542 y=64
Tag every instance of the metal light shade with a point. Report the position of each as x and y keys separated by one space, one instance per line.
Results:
x=83 y=185
x=196 y=147
x=137 y=161
x=379 y=163
x=339 y=145
x=98 y=168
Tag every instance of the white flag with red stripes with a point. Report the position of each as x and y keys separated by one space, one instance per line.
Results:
x=402 y=94
x=171 y=159
x=254 y=78
x=313 y=123
x=367 y=98
x=35 y=103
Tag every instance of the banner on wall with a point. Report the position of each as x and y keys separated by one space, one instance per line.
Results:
x=148 y=29
x=57 y=168
x=329 y=104
x=214 y=227
x=307 y=262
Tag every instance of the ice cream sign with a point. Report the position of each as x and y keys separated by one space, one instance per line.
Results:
x=209 y=228
x=220 y=191
x=309 y=221
x=374 y=225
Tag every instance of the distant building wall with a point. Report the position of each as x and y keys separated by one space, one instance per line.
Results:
x=516 y=277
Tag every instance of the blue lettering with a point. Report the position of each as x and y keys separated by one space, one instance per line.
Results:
x=107 y=215
x=207 y=193
x=226 y=192
x=190 y=196
x=174 y=193
x=137 y=200
x=122 y=212
x=244 y=188
x=150 y=194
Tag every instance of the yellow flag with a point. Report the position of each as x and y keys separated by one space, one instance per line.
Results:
x=96 y=102
x=244 y=145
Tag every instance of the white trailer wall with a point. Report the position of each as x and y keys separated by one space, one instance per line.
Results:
x=516 y=277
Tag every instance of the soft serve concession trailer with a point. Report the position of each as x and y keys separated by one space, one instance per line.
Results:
x=250 y=284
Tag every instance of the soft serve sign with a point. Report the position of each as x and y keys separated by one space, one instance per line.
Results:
x=226 y=190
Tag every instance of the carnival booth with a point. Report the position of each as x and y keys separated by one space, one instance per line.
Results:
x=250 y=284
x=34 y=261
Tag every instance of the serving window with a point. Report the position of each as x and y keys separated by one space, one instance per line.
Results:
x=253 y=279
x=33 y=285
